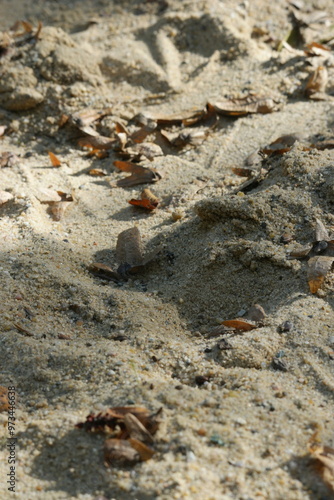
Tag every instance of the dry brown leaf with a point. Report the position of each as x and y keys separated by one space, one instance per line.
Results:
x=318 y=268
x=141 y=134
x=119 y=451
x=148 y=200
x=103 y=271
x=168 y=120
x=324 y=455
x=97 y=142
x=245 y=106
x=144 y=451
x=54 y=159
x=316 y=49
x=97 y=172
x=139 y=174
x=239 y=324
x=4 y=404
x=88 y=116
x=317 y=82
x=114 y=418
x=136 y=429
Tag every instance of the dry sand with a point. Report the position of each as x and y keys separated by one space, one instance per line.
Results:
x=240 y=429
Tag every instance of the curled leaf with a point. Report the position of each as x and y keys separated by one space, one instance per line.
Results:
x=148 y=200
x=139 y=174
x=245 y=106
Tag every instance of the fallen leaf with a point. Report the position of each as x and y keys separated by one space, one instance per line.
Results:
x=113 y=418
x=317 y=82
x=54 y=160
x=239 y=324
x=324 y=455
x=4 y=404
x=282 y=144
x=139 y=174
x=103 y=271
x=144 y=451
x=141 y=134
x=245 y=106
x=148 y=200
x=97 y=172
x=97 y=142
x=144 y=203
x=318 y=268
x=316 y=49
x=119 y=451
x=136 y=429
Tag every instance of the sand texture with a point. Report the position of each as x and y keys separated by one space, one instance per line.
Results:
x=239 y=407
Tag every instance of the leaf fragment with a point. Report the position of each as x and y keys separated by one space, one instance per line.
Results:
x=239 y=324
x=136 y=429
x=119 y=451
x=139 y=174
x=318 y=268
x=54 y=159
x=245 y=105
x=324 y=456
x=148 y=200
x=103 y=271
x=317 y=82
x=97 y=172
x=143 y=451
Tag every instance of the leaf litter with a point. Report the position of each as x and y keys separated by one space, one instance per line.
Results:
x=130 y=432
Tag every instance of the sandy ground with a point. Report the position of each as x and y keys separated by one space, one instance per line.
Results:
x=236 y=422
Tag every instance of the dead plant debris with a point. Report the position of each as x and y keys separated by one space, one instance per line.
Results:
x=130 y=430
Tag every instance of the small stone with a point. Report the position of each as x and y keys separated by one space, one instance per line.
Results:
x=286 y=326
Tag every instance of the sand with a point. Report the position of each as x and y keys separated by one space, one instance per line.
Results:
x=236 y=422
